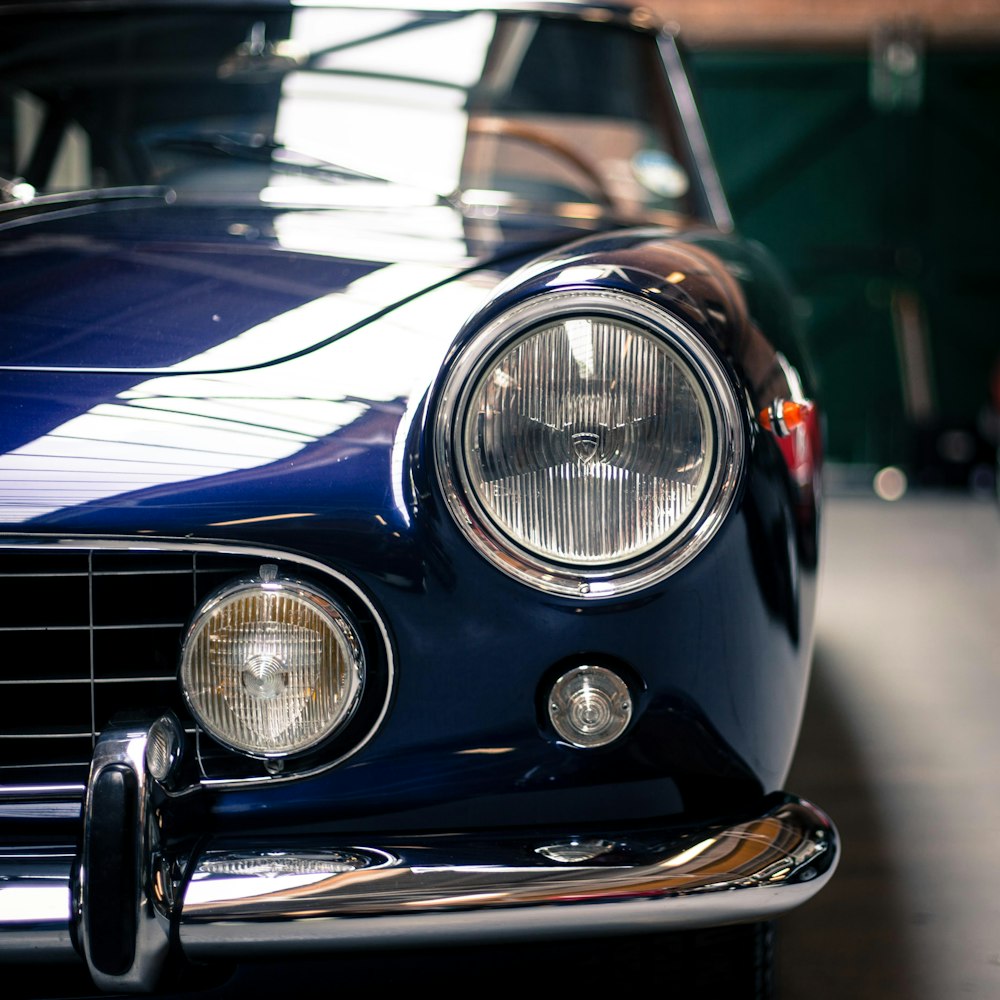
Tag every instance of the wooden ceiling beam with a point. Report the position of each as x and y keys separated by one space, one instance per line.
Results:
x=828 y=23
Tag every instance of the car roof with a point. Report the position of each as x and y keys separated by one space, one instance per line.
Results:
x=598 y=10
x=632 y=11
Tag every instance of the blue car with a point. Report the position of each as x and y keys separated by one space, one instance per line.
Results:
x=408 y=493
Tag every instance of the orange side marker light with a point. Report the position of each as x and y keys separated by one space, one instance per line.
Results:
x=783 y=416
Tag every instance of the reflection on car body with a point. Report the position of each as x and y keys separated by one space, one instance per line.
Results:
x=409 y=503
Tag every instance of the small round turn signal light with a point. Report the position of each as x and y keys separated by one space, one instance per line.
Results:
x=590 y=706
x=164 y=746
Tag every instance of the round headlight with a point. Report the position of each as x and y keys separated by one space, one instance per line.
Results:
x=588 y=443
x=272 y=667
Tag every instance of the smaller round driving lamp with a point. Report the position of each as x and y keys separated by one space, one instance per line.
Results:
x=272 y=667
x=590 y=706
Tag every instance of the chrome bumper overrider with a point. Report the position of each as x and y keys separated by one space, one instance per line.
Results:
x=233 y=897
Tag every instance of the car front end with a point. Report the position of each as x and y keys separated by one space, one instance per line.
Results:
x=376 y=578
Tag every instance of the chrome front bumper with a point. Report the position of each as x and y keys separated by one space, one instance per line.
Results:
x=233 y=898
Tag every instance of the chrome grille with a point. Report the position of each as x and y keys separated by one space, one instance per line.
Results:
x=88 y=634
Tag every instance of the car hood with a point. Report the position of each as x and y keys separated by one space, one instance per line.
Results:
x=182 y=371
x=135 y=287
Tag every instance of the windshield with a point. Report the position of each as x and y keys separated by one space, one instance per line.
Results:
x=350 y=106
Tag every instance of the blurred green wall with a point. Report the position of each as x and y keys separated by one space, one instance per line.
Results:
x=884 y=206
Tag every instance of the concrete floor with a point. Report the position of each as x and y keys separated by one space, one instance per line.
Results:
x=901 y=745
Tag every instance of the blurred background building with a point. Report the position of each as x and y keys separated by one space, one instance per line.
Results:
x=859 y=140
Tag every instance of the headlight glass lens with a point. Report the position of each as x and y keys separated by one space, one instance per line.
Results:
x=272 y=668
x=588 y=441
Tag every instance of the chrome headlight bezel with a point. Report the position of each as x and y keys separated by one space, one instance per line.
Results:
x=614 y=578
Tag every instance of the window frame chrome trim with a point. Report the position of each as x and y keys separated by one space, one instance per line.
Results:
x=687 y=109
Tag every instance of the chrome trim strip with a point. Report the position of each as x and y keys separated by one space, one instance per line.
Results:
x=298 y=896
x=778 y=424
x=35 y=904
x=427 y=890
x=17 y=540
x=42 y=793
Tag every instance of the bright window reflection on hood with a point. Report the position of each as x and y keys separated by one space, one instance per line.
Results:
x=184 y=428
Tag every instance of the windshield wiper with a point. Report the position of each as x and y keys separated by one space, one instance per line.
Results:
x=260 y=149
x=275 y=155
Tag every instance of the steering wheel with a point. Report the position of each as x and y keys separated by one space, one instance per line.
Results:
x=537 y=136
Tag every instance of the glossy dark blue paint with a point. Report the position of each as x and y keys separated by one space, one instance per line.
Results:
x=143 y=287
x=718 y=648
x=147 y=286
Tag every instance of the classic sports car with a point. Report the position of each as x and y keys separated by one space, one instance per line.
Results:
x=408 y=490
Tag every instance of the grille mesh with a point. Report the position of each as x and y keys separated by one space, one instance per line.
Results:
x=86 y=635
